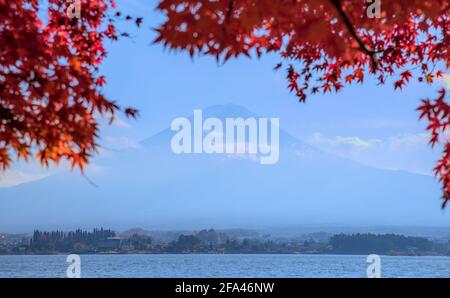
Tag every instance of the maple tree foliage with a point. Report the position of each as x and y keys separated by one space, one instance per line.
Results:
x=50 y=87
x=326 y=44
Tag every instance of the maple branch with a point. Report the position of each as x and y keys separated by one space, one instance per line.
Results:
x=364 y=47
x=229 y=11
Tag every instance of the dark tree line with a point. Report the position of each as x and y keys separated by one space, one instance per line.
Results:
x=63 y=241
x=382 y=244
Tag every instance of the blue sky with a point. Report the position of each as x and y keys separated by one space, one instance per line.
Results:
x=371 y=124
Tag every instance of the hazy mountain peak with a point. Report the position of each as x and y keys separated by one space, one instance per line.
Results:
x=229 y=110
x=154 y=186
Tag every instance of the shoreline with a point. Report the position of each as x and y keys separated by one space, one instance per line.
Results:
x=217 y=254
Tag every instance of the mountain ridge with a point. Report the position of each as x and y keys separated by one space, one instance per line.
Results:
x=154 y=186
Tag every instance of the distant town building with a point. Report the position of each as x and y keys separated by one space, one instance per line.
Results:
x=110 y=243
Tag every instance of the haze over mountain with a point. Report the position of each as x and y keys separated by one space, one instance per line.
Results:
x=150 y=186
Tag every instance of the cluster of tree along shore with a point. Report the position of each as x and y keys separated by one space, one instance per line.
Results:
x=219 y=242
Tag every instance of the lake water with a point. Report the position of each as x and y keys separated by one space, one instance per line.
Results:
x=223 y=266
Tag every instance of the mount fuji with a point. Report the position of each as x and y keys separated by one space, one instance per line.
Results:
x=152 y=187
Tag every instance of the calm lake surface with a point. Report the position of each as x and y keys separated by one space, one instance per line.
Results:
x=223 y=266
